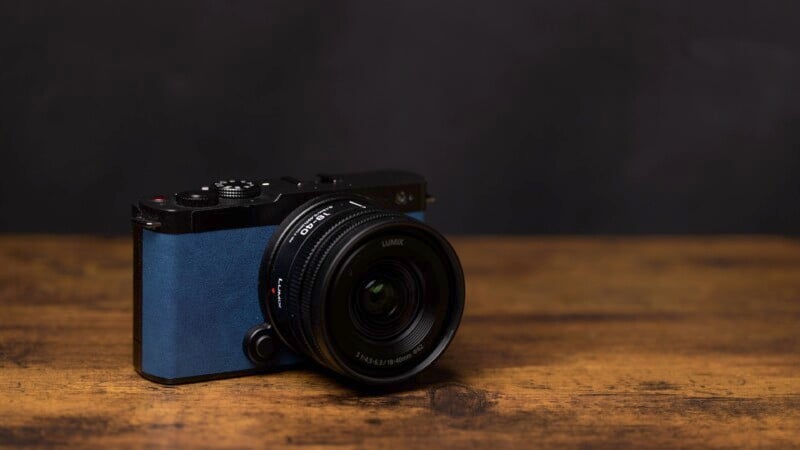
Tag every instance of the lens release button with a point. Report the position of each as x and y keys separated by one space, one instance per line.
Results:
x=259 y=344
x=265 y=347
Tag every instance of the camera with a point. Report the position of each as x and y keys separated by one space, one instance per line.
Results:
x=242 y=277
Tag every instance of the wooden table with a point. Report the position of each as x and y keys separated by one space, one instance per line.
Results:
x=565 y=343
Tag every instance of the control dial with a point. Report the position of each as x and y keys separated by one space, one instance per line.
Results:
x=196 y=199
x=237 y=189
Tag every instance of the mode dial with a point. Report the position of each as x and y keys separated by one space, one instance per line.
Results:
x=237 y=189
x=196 y=199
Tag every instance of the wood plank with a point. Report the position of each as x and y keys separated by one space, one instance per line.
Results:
x=566 y=342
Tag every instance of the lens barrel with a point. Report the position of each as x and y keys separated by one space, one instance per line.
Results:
x=371 y=294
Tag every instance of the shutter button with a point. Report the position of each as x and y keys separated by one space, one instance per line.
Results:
x=196 y=199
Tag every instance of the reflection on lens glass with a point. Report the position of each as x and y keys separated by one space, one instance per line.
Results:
x=379 y=299
x=386 y=302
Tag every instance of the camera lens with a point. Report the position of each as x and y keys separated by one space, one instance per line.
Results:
x=369 y=293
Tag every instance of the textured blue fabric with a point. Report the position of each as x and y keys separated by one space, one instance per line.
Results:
x=199 y=297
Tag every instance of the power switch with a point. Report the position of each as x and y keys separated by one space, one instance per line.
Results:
x=328 y=178
x=292 y=180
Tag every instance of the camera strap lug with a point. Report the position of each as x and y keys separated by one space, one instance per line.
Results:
x=146 y=223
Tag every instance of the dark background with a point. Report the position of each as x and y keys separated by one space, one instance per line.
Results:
x=526 y=116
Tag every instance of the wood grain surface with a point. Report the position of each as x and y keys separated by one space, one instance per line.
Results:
x=565 y=343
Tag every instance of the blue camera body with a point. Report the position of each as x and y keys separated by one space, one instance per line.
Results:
x=197 y=257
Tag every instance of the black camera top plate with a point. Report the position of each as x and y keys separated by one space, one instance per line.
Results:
x=394 y=190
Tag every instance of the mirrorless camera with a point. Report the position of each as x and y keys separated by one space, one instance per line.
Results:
x=240 y=277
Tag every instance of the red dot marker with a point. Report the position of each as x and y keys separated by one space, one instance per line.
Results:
x=272 y=291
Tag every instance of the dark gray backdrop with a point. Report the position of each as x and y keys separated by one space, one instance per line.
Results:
x=527 y=116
